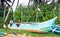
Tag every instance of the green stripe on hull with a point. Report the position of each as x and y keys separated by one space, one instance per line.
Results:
x=45 y=29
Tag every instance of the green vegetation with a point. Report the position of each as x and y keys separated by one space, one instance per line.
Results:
x=31 y=14
x=1 y=22
x=29 y=33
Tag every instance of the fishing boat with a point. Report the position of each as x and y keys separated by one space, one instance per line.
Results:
x=41 y=27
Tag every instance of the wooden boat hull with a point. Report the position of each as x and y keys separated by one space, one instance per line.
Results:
x=35 y=27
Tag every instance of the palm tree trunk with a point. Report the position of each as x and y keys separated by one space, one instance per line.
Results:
x=7 y=14
x=29 y=2
x=17 y=3
x=4 y=11
x=4 y=25
x=16 y=7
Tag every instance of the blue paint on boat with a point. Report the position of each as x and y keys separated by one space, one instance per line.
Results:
x=42 y=26
x=56 y=29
